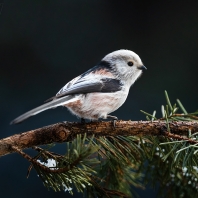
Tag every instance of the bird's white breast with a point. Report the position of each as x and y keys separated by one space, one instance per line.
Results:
x=97 y=105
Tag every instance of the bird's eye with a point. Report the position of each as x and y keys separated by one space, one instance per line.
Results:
x=130 y=63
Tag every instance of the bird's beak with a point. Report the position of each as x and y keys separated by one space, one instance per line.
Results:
x=141 y=67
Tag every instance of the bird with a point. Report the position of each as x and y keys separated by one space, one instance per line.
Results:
x=99 y=91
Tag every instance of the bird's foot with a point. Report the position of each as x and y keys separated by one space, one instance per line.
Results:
x=114 y=119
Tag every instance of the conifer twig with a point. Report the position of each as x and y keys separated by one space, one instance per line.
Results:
x=45 y=168
x=65 y=132
x=178 y=137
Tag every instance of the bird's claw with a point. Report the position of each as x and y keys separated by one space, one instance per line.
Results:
x=114 y=119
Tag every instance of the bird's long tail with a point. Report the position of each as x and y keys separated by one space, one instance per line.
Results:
x=49 y=105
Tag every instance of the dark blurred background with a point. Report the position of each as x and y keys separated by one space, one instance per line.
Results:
x=44 y=44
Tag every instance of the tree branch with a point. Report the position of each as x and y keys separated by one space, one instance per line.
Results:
x=64 y=132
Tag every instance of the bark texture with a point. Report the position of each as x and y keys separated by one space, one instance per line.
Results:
x=64 y=132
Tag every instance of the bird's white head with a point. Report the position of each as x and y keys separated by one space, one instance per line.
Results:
x=126 y=64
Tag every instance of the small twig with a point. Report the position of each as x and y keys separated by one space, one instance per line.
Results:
x=42 y=152
x=184 y=115
x=174 y=136
x=31 y=160
x=180 y=115
x=50 y=154
x=45 y=168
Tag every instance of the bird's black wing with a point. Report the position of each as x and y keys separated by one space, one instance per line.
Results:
x=98 y=79
x=104 y=85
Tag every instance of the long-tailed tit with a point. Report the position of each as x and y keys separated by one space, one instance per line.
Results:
x=99 y=91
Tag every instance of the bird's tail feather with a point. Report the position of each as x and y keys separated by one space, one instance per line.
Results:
x=49 y=105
